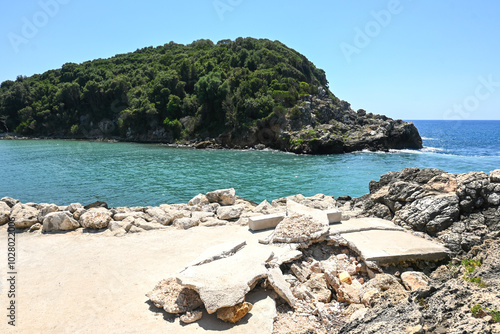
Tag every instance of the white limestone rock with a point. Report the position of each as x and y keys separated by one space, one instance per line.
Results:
x=185 y=223
x=24 y=215
x=199 y=200
x=96 y=218
x=59 y=221
x=73 y=207
x=230 y=212
x=173 y=297
x=222 y=196
x=281 y=286
x=45 y=209
x=4 y=213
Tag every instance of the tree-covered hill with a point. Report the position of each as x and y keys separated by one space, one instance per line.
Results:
x=243 y=92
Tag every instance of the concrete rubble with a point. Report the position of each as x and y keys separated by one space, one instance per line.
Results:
x=224 y=274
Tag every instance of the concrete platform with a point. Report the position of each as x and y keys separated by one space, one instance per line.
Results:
x=363 y=224
x=389 y=246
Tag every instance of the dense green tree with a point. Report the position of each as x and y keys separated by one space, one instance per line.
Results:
x=184 y=89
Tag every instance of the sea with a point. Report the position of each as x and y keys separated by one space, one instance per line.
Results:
x=132 y=174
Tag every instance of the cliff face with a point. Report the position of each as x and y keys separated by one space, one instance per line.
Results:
x=322 y=125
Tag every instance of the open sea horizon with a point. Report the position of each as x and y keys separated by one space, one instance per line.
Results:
x=131 y=174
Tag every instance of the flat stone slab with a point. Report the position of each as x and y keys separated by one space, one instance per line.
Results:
x=225 y=282
x=363 y=224
x=264 y=222
x=388 y=247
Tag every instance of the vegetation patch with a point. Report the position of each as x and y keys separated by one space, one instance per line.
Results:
x=470 y=266
x=225 y=86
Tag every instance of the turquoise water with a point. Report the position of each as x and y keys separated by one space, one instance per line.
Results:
x=62 y=172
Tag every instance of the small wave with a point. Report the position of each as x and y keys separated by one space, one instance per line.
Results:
x=425 y=138
x=432 y=149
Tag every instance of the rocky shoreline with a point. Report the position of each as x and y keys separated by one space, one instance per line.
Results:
x=322 y=284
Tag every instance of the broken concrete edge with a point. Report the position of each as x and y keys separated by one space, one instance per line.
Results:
x=269 y=221
x=214 y=298
x=217 y=252
x=383 y=260
x=265 y=222
x=281 y=287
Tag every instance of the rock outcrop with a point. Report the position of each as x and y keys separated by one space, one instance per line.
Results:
x=322 y=124
x=460 y=210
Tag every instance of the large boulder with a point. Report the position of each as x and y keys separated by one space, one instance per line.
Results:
x=9 y=201
x=45 y=209
x=73 y=207
x=59 y=221
x=495 y=176
x=414 y=280
x=430 y=214
x=185 y=223
x=199 y=199
x=96 y=218
x=4 y=213
x=223 y=196
x=172 y=214
x=230 y=212
x=25 y=216
x=158 y=215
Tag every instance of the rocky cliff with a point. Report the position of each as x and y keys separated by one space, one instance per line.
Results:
x=322 y=125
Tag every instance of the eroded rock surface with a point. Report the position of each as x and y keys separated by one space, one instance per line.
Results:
x=173 y=297
x=25 y=216
x=96 y=218
x=59 y=221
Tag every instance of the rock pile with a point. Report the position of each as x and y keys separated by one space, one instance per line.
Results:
x=310 y=271
x=219 y=207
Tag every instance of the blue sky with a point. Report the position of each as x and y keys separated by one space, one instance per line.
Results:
x=402 y=58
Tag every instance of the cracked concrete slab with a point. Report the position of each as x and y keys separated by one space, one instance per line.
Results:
x=225 y=282
x=387 y=246
x=281 y=286
x=363 y=224
x=218 y=252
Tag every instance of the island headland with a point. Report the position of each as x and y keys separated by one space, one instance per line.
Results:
x=246 y=93
x=417 y=254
